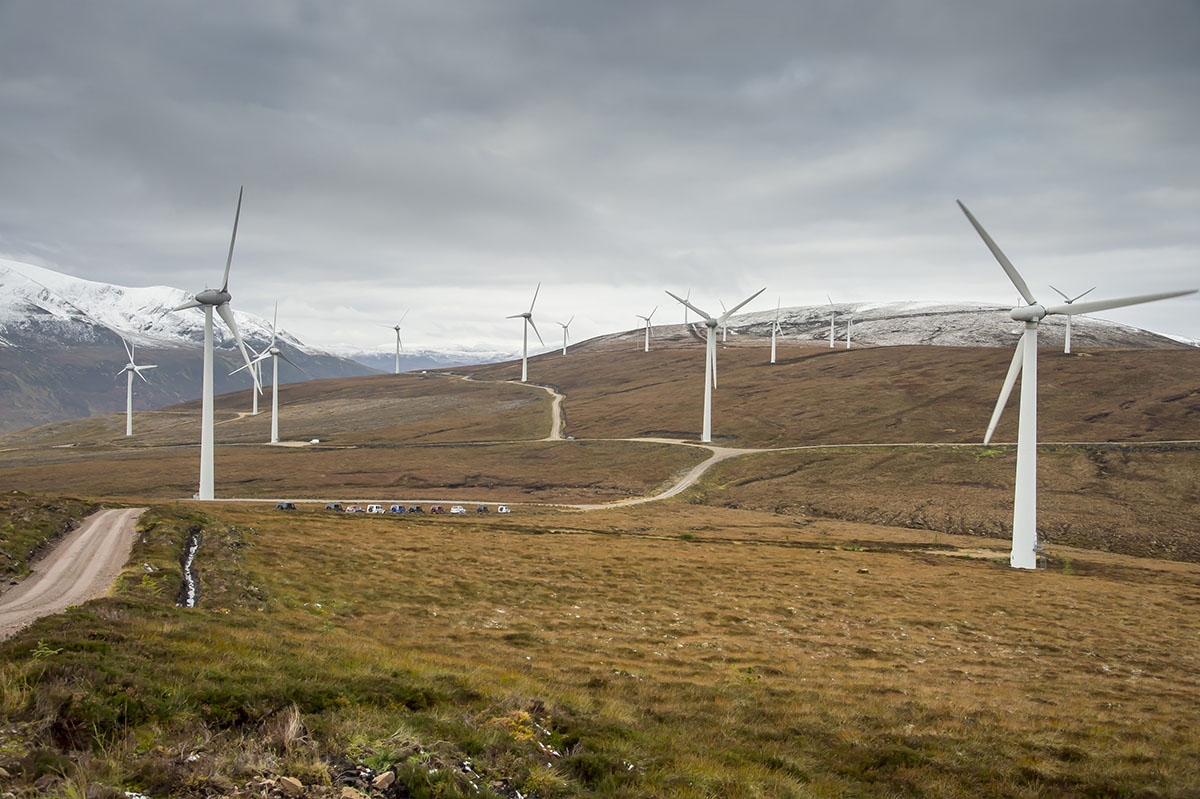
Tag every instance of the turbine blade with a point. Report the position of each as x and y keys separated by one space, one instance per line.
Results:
x=535 y=293
x=712 y=353
x=1084 y=294
x=734 y=309
x=138 y=372
x=227 y=316
x=1073 y=309
x=147 y=366
x=274 y=322
x=1009 y=269
x=1010 y=379
x=123 y=371
x=128 y=351
x=1062 y=294
x=229 y=258
x=515 y=316
x=188 y=304
x=652 y=313
x=688 y=304
x=535 y=330
x=403 y=316
x=293 y=363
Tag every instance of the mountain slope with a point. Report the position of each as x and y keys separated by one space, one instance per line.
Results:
x=60 y=347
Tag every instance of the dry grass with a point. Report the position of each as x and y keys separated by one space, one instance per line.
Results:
x=1137 y=500
x=759 y=655
x=878 y=395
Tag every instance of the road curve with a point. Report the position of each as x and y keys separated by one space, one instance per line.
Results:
x=80 y=568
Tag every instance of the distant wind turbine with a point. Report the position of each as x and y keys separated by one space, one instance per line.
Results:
x=724 y=323
x=528 y=317
x=565 y=325
x=710 y=355
x=775 y=329
x=1069 y=300
x=849 y=327
x=399 y=345
x=1024 y=540
x=131 y=369
x=647 y=318
x=832 y=319
x=687 y=296
x=274 y=353
x=214 y=300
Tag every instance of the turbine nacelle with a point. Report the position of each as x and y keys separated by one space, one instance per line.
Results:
x=213 y=297
x=1029 y=313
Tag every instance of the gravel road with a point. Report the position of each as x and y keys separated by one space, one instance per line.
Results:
x=80 y=568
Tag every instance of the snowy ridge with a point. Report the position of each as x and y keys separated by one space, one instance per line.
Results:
x=41 y=303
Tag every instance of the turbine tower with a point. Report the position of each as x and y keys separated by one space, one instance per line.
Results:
x=399 y=346
x=528 y=317
x=1024 y=540
x=1069 y=300
x=647 y=318
x=274 y=353
x=214 y=300
x=566 y=335
x=687 y=296
x=710 y=355
x=129 y=371
x=832 y=319
x=849 y=327
x=775 y=329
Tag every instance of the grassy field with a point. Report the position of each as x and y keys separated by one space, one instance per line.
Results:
x=28 y=524
x=546 y=471
x=1139 y=500
x=815 y=395
x=672 y=650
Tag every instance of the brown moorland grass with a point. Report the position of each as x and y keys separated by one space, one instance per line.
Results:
x=546 y=471
x=1136 y=500
x=683 y=651
x=870 y=395
x=405 y=408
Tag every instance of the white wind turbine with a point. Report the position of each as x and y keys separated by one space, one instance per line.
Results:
x=724 y=323
x=775 y=329
x=687 y=296
x=849 y=327
x=129 y=371
x=210 y=300
x=274 y=353
x=647 y=318
x=832 y=319
x=1069 y=300
x=399 y=345
x=710 y=356
x=528 y=317
x=1024 y=541
x=565 y=325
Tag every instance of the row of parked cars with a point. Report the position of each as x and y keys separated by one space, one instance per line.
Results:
x=398 y=508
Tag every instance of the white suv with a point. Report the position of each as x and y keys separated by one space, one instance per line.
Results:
x=374 y=509
x=458 y=509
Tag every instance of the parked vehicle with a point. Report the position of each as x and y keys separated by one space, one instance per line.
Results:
x=374 y=508
x=333 y=506
x=482 y=509
x=354 y=509
x=457 y=509
x=396 y=509
x=436 y=509
x=503 y=509
x=285 y=506
x=415 y=509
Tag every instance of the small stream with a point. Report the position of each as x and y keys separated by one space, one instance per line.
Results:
x=187 y=597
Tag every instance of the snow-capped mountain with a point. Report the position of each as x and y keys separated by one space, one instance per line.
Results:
x=60 y=347
x=413 y=360
x=908 y=324
x=39 y=305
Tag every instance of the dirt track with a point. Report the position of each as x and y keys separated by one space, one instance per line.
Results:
x=80 y=568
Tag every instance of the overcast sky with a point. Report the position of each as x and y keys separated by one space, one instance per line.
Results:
x=445 y=156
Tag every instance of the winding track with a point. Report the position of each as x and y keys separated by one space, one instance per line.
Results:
x=80 y=568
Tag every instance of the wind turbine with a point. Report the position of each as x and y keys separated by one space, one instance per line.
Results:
x=775 y=328
x=687 y=296
x=566 y=335
x=1024 y=541
x=210 y=300
x=399 y=346
x=528 y=317
x=647 y=318
x=849 y=327
x=1069 y=300
x=832 y=318
x=274 y=353
x=724 y=326
x=129 y=371
x=710 y=356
